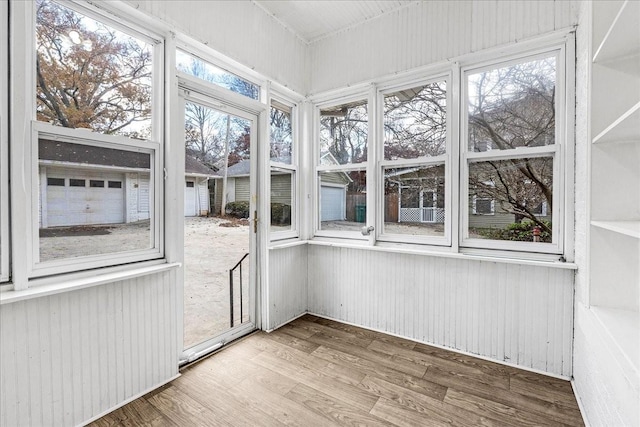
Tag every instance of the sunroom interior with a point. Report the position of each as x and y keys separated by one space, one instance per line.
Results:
x=406 y=181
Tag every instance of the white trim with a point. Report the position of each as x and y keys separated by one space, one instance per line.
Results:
x=4 y=142
x=68 y=283
x=556 y=150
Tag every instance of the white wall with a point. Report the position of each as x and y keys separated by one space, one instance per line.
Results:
x=241 y=31
x=287 y=293
x=512 y=313
x=427 y=32
x=72 y=356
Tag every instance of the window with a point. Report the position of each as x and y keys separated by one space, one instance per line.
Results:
x=4 y=146
x=283 y=177
x=414 y=193
x=96 y=126
x=342 y=174
x=55 y=182
x=190 y=184
x=196 y=67
x=472 y=158
x=512 y=108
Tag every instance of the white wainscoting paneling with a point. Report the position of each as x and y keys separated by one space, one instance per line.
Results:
x=287 y=284
x=519 y=314
x=68 y=357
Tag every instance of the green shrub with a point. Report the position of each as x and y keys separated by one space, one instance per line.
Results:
x=237 y=209
x=517 y=232
x=280 y=214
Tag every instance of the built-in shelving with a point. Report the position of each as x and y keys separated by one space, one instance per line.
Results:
x=624 y=129
x=627 y=228
x=623 y=36
x=614 y=243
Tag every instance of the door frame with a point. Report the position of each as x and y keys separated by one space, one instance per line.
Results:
x=256 y=113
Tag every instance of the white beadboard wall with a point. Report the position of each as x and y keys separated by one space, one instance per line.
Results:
x=427 y=32
x=240 y=30
x=69 y=357
x=514 y=313
x=287 y=284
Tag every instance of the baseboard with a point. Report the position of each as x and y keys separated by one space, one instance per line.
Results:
x=583 y=413
x=286 y=321
x=489 y=359
x=129 y=400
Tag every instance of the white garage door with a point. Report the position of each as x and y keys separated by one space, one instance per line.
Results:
x=84 y=198
x=190 y=199
x=332 y=203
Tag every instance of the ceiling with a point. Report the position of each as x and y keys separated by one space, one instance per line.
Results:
x=314 y=19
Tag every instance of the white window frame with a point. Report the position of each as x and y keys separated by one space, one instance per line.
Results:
x=557 y=151
x=29 y=266
x=292 y=168
x=445 y=75
x=4 y=142
x=358 y=96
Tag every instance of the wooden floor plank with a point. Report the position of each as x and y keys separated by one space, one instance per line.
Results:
x=570 y=416
x=316 y=372
x=370 y=368
x=495 y=410
x=385 y=360
x=427 y=407
x=332 y=409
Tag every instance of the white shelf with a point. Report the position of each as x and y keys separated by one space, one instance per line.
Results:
x=623 y=38
x=622 y=327
x=624 y=128
x=628 y=228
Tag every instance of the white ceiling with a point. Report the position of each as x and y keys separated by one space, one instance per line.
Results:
x=315 y=19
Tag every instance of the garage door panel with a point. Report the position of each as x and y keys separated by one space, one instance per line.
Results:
x=84 y=205
x=332 y=203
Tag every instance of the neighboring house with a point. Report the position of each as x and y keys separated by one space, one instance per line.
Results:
x=196 y=192
x=418 y=197
x=88 y=185
x=238 y=185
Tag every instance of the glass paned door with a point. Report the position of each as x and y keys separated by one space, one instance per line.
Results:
x=219 y=237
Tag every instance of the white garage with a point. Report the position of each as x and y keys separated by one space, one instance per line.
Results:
x=84 y=198
x=333 y=203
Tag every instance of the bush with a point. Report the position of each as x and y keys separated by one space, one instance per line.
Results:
x=280 y=214
x=517 y=232
x=237 y=209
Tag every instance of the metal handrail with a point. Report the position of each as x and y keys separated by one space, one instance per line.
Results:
x=238 y=264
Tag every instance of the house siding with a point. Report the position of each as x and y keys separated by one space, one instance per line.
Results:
x=281 y=189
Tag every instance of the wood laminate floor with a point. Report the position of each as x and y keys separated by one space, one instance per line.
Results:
x=317 y=372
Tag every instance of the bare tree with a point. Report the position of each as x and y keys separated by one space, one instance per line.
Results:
x=90 y=75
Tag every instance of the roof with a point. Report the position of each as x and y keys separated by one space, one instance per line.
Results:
x=241 y=168
x=68 y=152
x=193 y=166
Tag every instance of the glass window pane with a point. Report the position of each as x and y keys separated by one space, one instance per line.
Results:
x=206 y=71
x=508 y=199
x=282 y=196
x=343 y=200
x=513 y=106
x=343 y=134
x=79 y=219
x=90 y=75
x=415 y=122
x=281 y=136
x=414 y=200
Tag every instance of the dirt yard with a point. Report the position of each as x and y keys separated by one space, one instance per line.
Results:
x=212 y=247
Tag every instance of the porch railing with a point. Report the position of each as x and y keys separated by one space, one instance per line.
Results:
x=238 y=267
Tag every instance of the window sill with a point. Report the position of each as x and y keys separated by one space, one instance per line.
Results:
x=283 y=244
x=446 y=253
x=8 y=297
